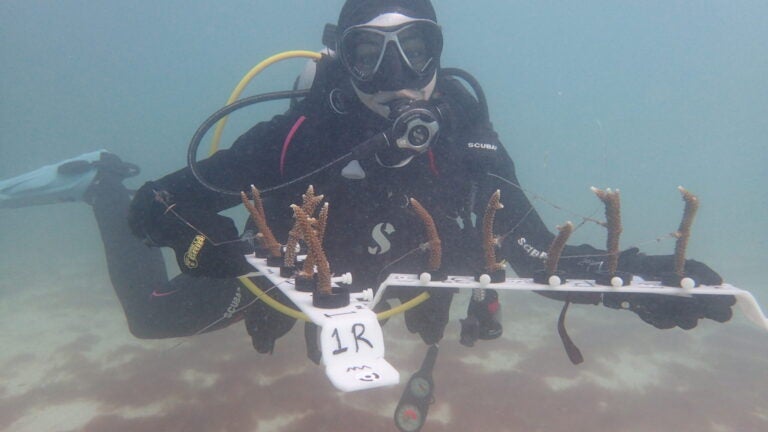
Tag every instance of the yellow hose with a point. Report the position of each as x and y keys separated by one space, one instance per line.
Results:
x=274 y=304
x=247 y=79
x=293 y=313
x=412 y=303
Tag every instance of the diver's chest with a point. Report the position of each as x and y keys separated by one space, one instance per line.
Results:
x=380 y=220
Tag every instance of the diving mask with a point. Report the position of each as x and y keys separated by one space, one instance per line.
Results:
x=419 y=43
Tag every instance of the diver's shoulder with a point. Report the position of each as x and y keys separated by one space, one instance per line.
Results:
x=464 y=95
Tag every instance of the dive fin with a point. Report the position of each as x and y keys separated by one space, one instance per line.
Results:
x=66 y=181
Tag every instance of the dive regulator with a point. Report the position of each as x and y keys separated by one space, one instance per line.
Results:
x=415 y=127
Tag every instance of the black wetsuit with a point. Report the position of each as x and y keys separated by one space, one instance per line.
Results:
x=370 y=226
x=156 y=307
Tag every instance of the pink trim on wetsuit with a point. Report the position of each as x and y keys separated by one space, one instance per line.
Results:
x=288 y=140
x=432 y=164
x=163 y=294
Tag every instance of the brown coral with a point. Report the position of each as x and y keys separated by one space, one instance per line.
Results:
x=316 y=254
x=557 y=246
x=490 y=242
x=684 y=232
x=310 y=201
x=433 y=239
x=612 y=201
x=256 y=209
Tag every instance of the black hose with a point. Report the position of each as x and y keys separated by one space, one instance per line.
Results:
x=194 y=143
x=479 y=93
x=375 y=142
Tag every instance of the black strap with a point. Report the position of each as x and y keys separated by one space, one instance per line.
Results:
x=313 y=348
x=574 y=354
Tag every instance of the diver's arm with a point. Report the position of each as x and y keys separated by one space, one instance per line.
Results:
x=524 y=236
x=178 y=212
x=253 y=159
x=489 y=167
x=524 y=247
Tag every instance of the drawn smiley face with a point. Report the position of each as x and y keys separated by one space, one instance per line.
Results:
x=368 y=377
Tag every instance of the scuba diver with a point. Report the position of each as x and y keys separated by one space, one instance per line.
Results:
x=382 y=122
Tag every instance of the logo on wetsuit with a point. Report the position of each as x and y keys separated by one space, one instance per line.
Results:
x=482 y=146
x=232 y=308
x=380 y=235
x=190 y=258
x=530 y=250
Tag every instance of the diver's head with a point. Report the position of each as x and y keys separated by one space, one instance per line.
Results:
x=390 y=48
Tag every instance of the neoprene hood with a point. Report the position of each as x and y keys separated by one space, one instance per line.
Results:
x=356 y=12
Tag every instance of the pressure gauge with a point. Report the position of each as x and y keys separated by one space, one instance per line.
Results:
x=408 y=418
x=420 y=387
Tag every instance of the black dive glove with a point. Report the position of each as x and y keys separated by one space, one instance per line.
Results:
x=664 y=311
x=196 y=252
x=206 y=244
x=482 y=321
x=652 y=267
x=430 y=318
x=265 y=324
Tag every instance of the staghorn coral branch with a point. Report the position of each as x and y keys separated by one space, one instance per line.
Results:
x=612 y=201
x=684 y=232
x=557 y=246
x=319 y=225
x=489 y=241
x=310 y=260
x=259 y=217
x=315 y=250
x=322 y=222
x=310 y=201
x=289 y=259
x=435 y=247
x=308 y=268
